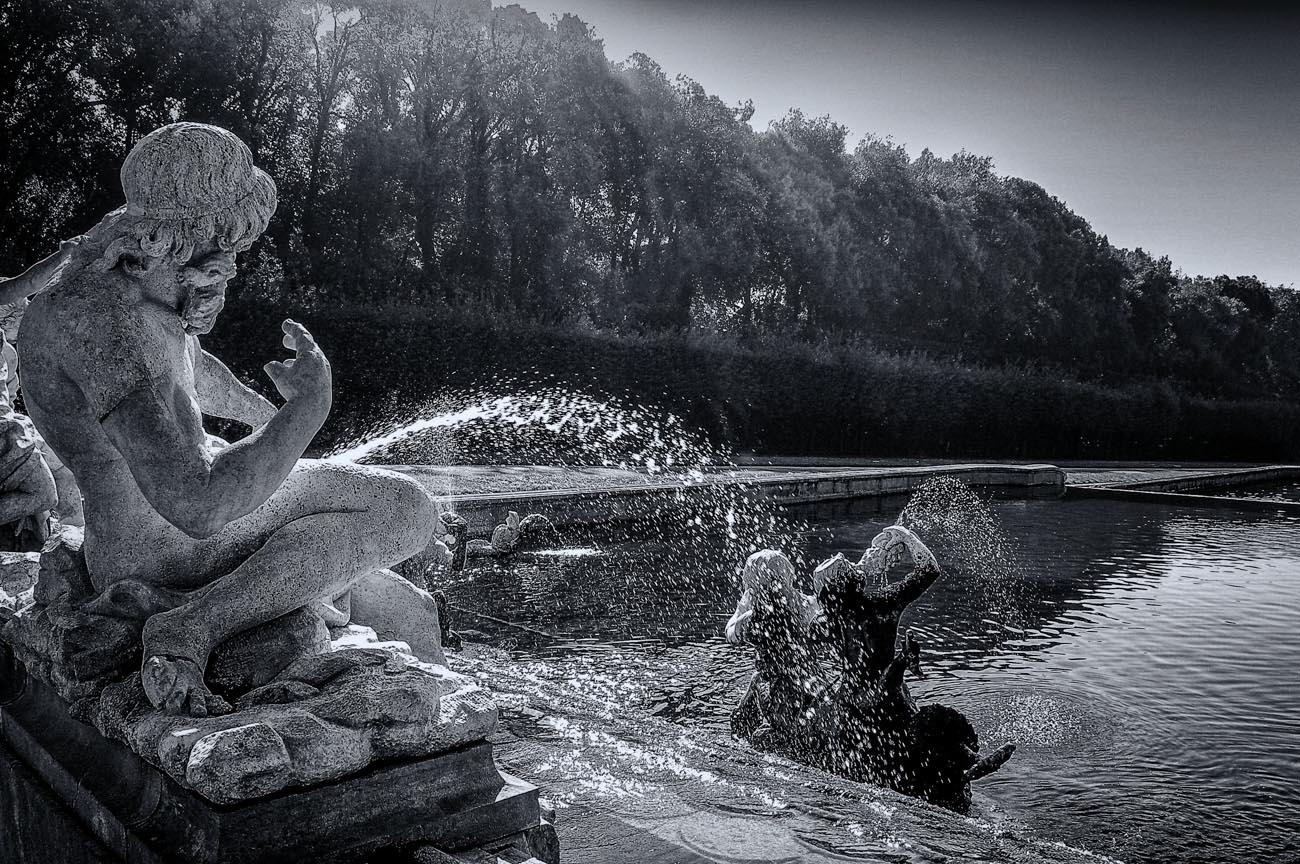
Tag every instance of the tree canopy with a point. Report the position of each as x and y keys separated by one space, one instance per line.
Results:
x=458 y=155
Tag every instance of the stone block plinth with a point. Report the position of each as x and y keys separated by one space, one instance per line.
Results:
x=59 y=771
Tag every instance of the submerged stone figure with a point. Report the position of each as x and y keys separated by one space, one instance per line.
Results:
x=508 y=538
x=861 y=612
x=865 y=725
x=208 y=539
x=777 y=620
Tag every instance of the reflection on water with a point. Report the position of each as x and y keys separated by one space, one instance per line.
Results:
x=1145 y=663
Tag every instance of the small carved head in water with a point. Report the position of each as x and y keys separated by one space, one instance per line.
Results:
x=767 y=576
x=768 y=572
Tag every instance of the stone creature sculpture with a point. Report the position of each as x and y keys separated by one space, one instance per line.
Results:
x=15 y=293
x=207 y=542
x=865 y=725
x=861 y=612
x=511 y=537
x=777 y=619
x=27 y=490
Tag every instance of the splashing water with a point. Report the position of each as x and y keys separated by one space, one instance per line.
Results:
x=598 y=725
x=554 y=426
x=1039 y=719
x=968 y=538
x=545 y=424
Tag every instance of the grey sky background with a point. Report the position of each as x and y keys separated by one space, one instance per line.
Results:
x=1171 y=127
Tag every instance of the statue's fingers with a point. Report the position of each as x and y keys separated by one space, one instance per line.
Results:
x=291 y=329
x=279 y=373
x=296 y=337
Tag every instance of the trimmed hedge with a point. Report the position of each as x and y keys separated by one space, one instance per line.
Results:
x=778 y=397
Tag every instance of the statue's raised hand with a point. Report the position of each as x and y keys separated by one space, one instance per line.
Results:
x=306 y=377
x=890 y=537
x=897 y=535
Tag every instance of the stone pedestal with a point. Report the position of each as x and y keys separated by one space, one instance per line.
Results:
x=455 y=805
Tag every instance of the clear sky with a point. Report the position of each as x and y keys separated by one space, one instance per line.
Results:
x=1172 y=127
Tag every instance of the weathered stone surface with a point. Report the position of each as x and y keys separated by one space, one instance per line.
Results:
x=455 y=800
x=257 y=655
x=10 y=604
x=317 y=717
x=63 y=571
x=323 y=718
x=245 y=762
x=17 y=581
x=18 y=571
x=76 y=652
x=106 y=350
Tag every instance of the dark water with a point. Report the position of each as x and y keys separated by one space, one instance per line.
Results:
x=1145 y=659
x=1289 y=491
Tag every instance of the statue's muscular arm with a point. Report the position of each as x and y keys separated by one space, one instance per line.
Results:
x=158 y=429
x=221 y=394
x=34 y=278
x=925 y=573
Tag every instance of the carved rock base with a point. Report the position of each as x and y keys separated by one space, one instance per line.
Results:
x=449 y=804
x=323 y=718
x=307 y=720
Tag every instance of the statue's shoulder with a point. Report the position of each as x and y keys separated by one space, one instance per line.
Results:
x=90 y=330
x=76 y=296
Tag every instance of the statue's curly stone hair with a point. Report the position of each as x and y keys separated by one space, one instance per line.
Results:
x=185 y=184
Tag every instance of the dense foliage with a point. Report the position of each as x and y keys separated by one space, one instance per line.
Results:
x=463 y=161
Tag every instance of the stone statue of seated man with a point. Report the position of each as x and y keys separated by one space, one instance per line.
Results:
x=117 y=382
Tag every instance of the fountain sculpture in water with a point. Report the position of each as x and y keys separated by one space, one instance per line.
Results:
x=865 y=725
x=195 y=624
x=508 y=538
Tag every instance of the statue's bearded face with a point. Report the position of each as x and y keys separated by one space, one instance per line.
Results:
x=203 y=289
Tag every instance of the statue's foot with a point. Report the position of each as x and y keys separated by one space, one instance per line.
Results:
x=175 y=685
x=172 y=678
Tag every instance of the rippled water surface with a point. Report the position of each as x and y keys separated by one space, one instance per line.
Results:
x=1145 y=659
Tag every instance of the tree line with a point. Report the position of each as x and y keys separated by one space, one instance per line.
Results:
x=458 y=157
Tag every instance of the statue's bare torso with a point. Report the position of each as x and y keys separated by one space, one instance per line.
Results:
x=119 y=388
x=87 y=343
